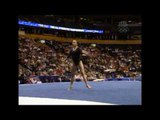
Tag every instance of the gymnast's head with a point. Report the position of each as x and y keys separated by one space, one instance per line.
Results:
x=74 y=43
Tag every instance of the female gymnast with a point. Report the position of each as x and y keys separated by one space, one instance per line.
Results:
x=75 y=54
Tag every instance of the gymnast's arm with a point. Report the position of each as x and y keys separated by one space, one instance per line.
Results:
x=87 y=53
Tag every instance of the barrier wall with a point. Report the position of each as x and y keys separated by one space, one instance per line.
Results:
x=63 y=39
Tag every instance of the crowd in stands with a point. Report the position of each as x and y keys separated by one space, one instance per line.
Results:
x=48 y=59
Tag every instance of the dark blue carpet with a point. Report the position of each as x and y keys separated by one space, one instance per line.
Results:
x=115 y=92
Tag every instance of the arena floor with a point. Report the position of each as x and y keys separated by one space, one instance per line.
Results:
x=102 y=93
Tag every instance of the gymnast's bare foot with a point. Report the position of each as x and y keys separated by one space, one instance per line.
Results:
x=70 y=87
x=88 y=86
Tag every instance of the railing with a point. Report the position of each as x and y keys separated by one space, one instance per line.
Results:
x=63 y=39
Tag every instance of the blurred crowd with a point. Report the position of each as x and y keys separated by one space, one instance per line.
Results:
x=47 y=58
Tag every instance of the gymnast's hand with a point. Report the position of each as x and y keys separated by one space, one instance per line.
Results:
x=89 y=54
